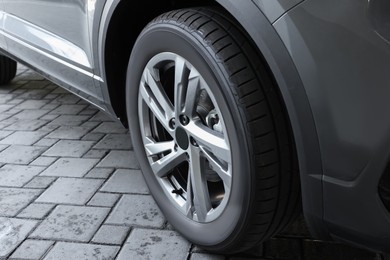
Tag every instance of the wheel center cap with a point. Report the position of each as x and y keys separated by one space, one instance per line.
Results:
x=182 y=138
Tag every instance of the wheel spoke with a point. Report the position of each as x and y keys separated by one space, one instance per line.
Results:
x=165 y=164
x=219 y=168
x=202 y=203
x=155 y=97
x=211 y=140
x=187 y=84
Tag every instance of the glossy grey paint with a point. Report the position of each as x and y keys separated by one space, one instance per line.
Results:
x=344 y=63
x=275 y=8
x=62 y=53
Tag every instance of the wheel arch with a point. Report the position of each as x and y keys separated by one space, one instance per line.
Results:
x=293 y=93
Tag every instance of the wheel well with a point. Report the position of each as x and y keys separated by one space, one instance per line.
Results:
x=119 y=43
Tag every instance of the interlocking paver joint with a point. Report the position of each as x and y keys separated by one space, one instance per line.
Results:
x=71 y=188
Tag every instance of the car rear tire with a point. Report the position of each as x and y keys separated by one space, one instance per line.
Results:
x=210 y=131
x=7 y=69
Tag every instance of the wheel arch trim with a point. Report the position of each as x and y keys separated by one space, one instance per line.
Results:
x=297 y=104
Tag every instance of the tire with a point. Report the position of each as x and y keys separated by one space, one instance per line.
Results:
x=7 y=69
x=210 y=131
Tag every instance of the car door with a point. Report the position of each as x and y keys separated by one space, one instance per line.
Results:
x=2 y=38
x=54 y=36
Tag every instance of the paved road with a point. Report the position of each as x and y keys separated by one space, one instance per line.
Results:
x=71 y=188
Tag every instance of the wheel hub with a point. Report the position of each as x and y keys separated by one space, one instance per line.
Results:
x=182 y=138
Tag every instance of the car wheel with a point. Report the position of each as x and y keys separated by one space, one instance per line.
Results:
x=7 y=69
x=210 y=131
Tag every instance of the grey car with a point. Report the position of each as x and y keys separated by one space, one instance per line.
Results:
x=243 y=114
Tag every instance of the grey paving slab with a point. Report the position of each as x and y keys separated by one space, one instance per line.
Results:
x=30 y=114
x=110 y=128
x=12 y=200
x=43 y=161
x=69 y=148
x=104 y=199
x=69 y=120
x=12 y=233
x=100 y=173
x=23 y=137
x=71 y=223
x=36 y=211
x=48 y=117
x=138 y=210
x=3 y=147
x=114 y=235
x=40 y=182
x=68 y=109
x=101 y=117
x=69 y=132
x=154 y=244
x=67 y=98
x=126 y=181
x=203 y=256
x=98 y=154
x=18 y=175
x=70 y=191
x=115 y=142
x=92 y=137
x=46 y=142
x=66 y=251
x=32 y=249
x=70 y=167
x=20 y=154
x=4 y=134
x=32 y=104
x=26 y=125
x=120 y=159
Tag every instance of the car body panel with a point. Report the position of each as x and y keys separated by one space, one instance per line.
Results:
x=344 y=64
x=275 y=9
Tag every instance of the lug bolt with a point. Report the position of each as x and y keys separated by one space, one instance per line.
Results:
x=193 y=142
x=184 y=120
x=172 y=123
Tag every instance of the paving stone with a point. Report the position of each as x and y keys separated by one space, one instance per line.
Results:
x=26 y=125
x=120 y=159
x=70 y=191
x=18 y=175
x=69 y=148
x=63 y=251
x=30 y=114
x=154 y=244
x=34 y=94
x=4 y=134
x=48 y=117
x=67 y=120
x=36 y=211
x=12 y=233
x=71 y=223
x=69 y=132
x=110 y=128
x=32 y=249
x=98 y=154
x=114 y=235
x=70 y=167
x=92 y=137
x=66 y=99
x=12 y=200
x=46 y=142
x=3 y=147
x=40 y=182
x=4 y=108
x=126 y=181
x=100 y=173
x=23 y=137
x=43 y=161
x=68 y=109
x=50 y=106
x=115 y=142
x=32 y=104
x=104 y=199
x=20 y=154
x=201 y=256
x=91 y=124
x=139 y=210
x=88 y=111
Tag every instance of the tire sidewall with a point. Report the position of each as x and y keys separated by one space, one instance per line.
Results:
x=164 y=37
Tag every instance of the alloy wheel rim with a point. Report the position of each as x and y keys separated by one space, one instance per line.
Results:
x=185 y=137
